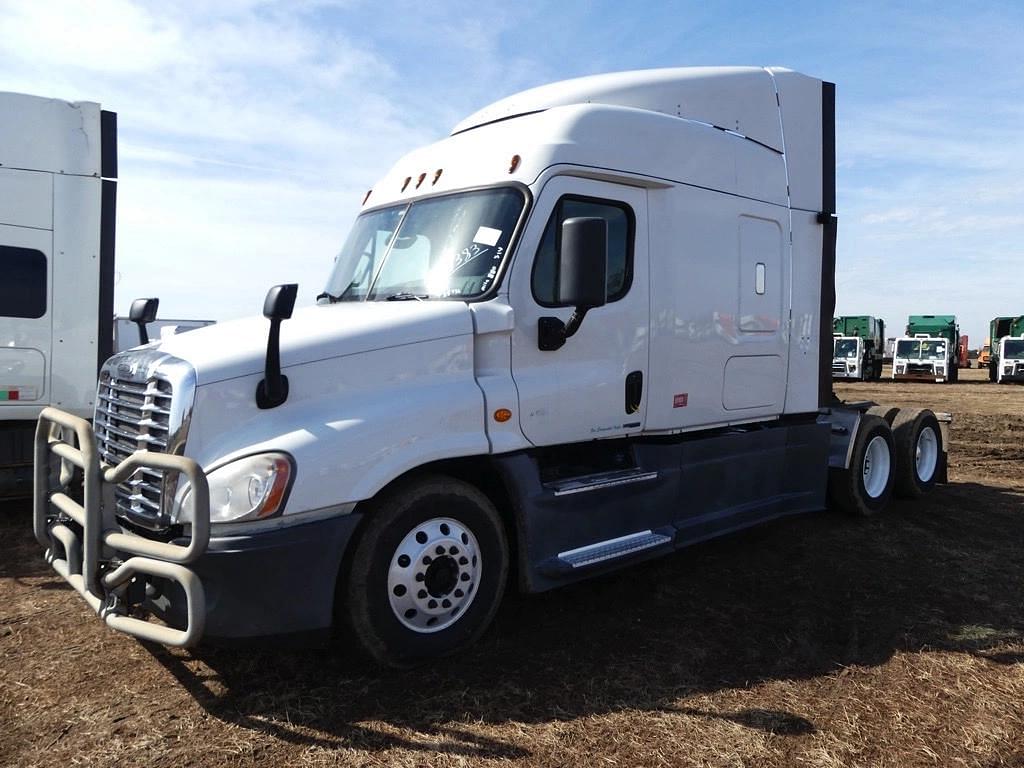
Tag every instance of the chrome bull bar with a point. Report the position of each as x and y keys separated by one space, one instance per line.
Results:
x=89 y=561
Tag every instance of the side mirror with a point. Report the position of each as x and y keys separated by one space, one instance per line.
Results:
x=272 y=391
x=582 y=278
x=583 y=263
x=143 y=312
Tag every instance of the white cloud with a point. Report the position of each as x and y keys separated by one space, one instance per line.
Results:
x=107 y=36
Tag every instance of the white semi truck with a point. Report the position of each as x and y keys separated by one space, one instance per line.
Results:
x=591 y=326
x=1010 y=364
x=858 y=342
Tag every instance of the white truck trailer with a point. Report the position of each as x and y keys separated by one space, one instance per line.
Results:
x=591 y=326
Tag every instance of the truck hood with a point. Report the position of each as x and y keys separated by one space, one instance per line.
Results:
x=238 y=347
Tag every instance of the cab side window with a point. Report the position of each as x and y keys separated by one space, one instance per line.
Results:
x=621 y=226
x=23 y=288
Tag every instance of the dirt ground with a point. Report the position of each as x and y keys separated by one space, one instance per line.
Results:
x=813 y=641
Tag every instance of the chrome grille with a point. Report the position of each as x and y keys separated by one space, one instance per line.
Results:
x=143 y=403
x=133 y=416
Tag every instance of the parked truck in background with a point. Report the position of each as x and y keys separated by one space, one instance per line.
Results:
x=999 y=328
x=963 y=352
x=498 y=378
x=985 y=354
x=858 y=347
x=58 y=171
x=58 y=187
x=929 y=351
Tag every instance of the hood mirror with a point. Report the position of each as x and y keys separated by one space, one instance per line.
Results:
x=278 y=306
x=143 y=312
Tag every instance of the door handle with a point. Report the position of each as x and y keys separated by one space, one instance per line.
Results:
x=634 y=391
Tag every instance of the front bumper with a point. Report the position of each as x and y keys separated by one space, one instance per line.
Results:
x=844 y=376
x=918 y=376
x=271 y=583
x=274 y=584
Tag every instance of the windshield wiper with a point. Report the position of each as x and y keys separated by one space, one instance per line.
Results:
x=406 y=296
x=343 y=296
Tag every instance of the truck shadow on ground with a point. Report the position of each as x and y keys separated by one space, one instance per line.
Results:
x=796 y=599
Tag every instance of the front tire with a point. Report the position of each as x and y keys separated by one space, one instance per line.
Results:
x=865 y=487
x=918 y=451
x=427 y=573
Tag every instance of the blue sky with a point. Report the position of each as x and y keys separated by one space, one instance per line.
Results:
x=250 y=130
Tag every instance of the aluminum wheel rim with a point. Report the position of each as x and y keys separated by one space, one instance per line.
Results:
x=877 y=465
x=434 y=574
x=926 y=454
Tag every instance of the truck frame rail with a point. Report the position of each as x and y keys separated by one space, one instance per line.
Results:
x=89 y=550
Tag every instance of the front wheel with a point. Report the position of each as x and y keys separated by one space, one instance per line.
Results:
x=865 y=487
x=428 y=572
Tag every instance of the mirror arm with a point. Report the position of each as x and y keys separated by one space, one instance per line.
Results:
x=273 y=390
x=575 y=321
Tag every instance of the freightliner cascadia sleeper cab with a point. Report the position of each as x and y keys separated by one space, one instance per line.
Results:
x=591 y=326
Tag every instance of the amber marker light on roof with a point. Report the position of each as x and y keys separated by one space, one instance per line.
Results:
x=437 y=175
x=514 y=164
x=406 y=184
x=502 y=415
x=420 y=180
x=367 y=196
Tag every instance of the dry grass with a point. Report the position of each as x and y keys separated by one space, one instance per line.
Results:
x=814 y=641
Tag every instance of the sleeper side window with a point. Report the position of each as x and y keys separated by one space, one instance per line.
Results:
x=23 y=288
x=621 y=226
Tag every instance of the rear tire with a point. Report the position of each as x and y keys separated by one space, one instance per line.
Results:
x=865 y=487
x=428 y=572
x=887 y=412
x=918 y=451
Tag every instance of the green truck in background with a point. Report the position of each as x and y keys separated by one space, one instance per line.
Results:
x=858 y=347
x=1006 y=358
x=929 y=351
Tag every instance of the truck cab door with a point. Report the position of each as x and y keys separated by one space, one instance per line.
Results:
x=595 y=385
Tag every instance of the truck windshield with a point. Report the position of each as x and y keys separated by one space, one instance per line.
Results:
x=933 y=350
x=908 y=348
x=846 y=348
x=1013 y=349
x=436 y=248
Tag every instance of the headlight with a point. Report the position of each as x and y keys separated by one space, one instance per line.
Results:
x=853 y=368
x=251 y=488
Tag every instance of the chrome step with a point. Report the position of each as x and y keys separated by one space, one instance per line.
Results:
x=598 y=482
x=613 y=548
